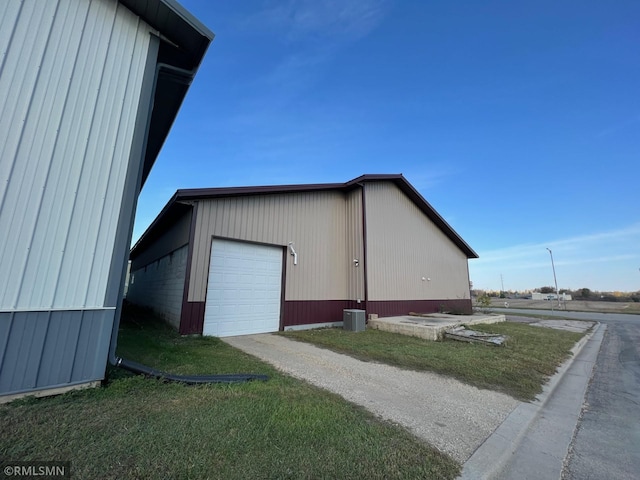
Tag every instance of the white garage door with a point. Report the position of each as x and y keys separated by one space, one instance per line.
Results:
x=243 y=293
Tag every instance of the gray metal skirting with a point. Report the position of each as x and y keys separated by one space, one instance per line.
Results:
x=49 y=349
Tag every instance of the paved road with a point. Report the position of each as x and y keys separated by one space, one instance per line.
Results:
x=607 y=441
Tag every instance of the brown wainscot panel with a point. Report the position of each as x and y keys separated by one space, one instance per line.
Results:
x=305 y=312
x=390 y=308
x=192 y=318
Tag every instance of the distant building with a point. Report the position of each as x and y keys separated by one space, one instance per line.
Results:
x=550 y=296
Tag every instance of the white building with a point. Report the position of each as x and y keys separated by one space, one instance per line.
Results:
x=550 y=296
x=88 y=93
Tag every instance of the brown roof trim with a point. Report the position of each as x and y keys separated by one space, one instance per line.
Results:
x=400 y=181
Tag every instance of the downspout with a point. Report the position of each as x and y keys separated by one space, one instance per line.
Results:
x=185 y=76
x=141 y=369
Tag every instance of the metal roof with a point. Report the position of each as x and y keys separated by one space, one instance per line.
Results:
x=175 y=208
x=176 y=24
x=184 y=42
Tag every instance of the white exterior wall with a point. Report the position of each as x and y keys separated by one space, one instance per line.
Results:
x=160 y=285
x=68 y=102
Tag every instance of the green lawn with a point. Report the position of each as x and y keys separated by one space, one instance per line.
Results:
x=139 y=428
x=520 y=368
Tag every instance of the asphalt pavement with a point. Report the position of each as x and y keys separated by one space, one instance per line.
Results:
x=606 y=441
x=585 y=424
x=533 y=441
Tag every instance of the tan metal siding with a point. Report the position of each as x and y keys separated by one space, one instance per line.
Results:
x=354 y=245
x=173 y=238
x=403 y=246
x=68 y=100
x=314 y=221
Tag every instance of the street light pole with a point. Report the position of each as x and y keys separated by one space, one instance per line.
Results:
x=554 y=276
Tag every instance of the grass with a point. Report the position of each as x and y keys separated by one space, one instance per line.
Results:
x=134 y=427
x=520 y=368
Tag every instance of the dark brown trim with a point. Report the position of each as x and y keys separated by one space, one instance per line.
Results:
x=364 y=248
x=390 y=308
x=397 y=179
x=195 y=193
x=192 y=318
x=187 y=320
x=307 y=312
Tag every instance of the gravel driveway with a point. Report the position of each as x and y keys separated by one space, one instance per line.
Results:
x=452 y=416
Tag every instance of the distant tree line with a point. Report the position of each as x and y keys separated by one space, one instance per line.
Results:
x=578 y=294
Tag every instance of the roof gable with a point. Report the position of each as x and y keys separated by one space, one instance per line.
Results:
x=187 y=195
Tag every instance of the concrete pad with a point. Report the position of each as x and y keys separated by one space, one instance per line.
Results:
x=578 y=326
x=48 y=392
x=431 y=326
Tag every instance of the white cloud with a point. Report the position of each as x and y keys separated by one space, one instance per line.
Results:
x=335 y=19
x=313 y=31
x=434 y=174
x=609 y=260
x=612 y=129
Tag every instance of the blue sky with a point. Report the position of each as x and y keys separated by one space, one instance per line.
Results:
x=518 y=121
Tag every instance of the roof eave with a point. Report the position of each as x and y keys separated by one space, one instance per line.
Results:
x=184 y=42
x=400 y=181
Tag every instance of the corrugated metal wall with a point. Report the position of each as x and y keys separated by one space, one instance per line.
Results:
x=160 y=285
x=403 y=246
x=314 y=221
x=70 y=78
x=52 y=349
x=70 y=84
x=354 y=246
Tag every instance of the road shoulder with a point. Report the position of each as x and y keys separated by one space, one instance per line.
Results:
x=534 y=439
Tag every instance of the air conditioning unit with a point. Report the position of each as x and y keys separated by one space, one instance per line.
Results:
x=353 y=320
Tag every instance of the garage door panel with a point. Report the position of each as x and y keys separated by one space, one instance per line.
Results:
x=244 y=289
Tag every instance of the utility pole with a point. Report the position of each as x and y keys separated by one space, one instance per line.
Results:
x=554 y=277
x=501 y=283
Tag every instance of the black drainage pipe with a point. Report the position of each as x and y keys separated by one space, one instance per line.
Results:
x=139 y=368
x=181 y=76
